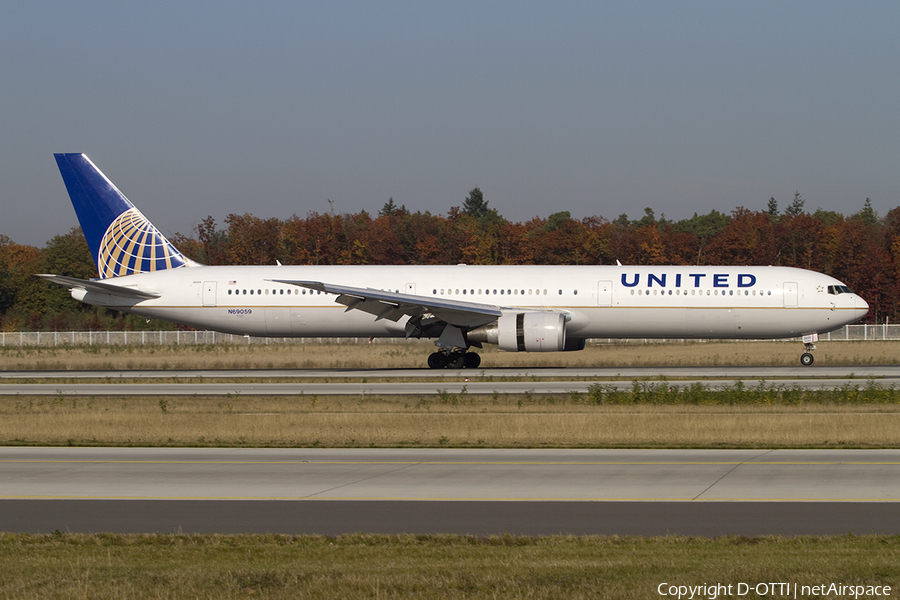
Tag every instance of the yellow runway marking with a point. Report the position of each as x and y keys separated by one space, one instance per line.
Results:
x=444 y=499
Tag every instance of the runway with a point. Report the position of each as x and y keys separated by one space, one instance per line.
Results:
x=461 y=518
x=329 y=491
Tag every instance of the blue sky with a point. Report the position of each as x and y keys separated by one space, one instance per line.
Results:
x=598 y=108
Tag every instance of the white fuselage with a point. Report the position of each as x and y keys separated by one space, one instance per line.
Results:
x=598 y=301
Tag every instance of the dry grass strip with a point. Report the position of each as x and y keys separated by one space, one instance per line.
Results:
x=412 y=354
x=508 y=421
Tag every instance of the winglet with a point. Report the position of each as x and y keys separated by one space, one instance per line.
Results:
x=121 y=239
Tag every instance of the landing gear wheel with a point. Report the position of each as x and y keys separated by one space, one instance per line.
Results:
x=806 y=359
x=437 y=360
x=472 y=360
x=457 y=360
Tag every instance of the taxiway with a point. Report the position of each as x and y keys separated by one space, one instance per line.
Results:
x=486 y=381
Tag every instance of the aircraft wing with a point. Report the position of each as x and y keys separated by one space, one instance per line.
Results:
x=395 y=305
x=100 y=287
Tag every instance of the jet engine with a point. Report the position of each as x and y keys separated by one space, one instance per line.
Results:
x=524 y=332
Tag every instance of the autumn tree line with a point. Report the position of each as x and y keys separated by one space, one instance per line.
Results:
x=860 y=249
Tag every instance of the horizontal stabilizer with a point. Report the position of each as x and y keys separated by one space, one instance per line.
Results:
x=98 y=286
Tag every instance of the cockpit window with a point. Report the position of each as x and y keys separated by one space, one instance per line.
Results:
x=838 y=289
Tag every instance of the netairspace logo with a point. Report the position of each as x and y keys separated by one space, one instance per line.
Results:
x=772 y=590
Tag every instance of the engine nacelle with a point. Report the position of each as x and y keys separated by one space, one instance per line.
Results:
x=524 y=332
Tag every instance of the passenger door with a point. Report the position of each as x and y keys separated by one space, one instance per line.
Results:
x=604 y=293
x=209 y=293
x=790 y=294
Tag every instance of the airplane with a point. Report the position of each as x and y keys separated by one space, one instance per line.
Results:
x=522 y=308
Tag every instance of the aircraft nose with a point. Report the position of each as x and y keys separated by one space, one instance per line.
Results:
x=861 y=307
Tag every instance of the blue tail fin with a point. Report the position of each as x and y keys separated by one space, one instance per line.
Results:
x=121 y=239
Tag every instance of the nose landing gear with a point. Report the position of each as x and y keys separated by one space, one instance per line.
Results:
x=806 y=358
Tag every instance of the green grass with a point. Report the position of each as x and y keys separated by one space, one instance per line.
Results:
x=369 y=566
x=746 y=393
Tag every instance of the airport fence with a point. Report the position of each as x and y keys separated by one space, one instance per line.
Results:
x=164 y=338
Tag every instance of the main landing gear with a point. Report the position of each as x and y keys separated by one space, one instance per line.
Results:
x=453 y=360
x=453 y=351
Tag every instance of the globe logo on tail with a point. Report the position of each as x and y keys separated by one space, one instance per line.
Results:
x=132 y=245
